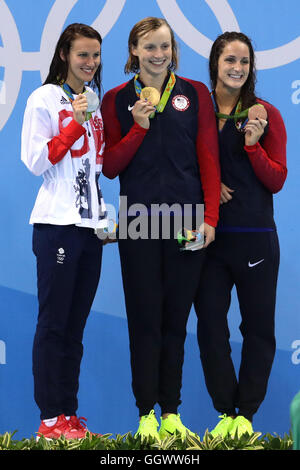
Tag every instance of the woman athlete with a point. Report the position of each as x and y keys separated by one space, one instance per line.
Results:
x=63 y=140
x=245 y=253
x=164 y=156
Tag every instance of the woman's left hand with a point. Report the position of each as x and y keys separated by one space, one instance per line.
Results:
x=209 y=233
x=254 y=129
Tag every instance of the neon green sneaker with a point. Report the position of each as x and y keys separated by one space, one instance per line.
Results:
x=171 y=425
x=240 y=426
x=148 y=426
x=223 y=426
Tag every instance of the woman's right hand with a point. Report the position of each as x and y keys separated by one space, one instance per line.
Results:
x=141 y=112
x=80 y=106
x=225 y=193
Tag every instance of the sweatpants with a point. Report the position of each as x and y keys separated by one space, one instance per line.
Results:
x=160 y=283
x=249 y=261
x=68 y=270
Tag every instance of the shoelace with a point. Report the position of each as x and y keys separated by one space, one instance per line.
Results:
x=64 y=425
x=78 y=423
x=149 y=419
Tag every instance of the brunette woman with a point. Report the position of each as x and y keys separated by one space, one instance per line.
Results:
x=62 y=140
x=245 y=253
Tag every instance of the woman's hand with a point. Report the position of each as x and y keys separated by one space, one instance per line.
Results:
x=254 y=129
x=141 y=112
x=80 y=106
x=225 y=193
x=209 y=232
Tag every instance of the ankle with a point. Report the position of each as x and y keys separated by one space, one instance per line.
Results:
x=165 y=414
x=248 y=418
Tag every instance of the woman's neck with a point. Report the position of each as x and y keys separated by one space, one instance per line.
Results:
x=77 y=87
x=155 y=81
x=226 y=99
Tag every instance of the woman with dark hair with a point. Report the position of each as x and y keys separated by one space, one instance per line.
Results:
x=245 y=254
x=59 y=67
x=62 y=140
x=165 y=153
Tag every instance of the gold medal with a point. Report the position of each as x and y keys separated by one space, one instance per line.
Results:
x=150 y=94
x=257 y=111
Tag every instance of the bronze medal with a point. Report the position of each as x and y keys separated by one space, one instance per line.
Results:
x=257 y=111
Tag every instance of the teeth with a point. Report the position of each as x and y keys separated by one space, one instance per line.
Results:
x=235 y=76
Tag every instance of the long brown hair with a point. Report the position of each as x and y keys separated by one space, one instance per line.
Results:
x=58 y=70
x=248 y=96
x=141 y=28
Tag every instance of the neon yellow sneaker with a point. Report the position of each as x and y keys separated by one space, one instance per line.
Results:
x=171 y=425
x=148 y=426
x=223 y=426
x=240 y=426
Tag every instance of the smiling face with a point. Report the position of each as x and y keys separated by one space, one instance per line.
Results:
x=83 y=62
x=154 y=52
x=233 y=66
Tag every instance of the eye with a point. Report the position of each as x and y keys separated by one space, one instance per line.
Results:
x=230 y=59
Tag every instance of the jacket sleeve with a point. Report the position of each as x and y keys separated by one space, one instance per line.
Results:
x=269 y=158
x=40 y=150
x=119 y=151
x=208 y=155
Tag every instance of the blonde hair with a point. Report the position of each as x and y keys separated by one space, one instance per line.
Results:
x=141 y=28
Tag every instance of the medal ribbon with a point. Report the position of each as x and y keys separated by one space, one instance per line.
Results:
x=165 y=96
x=68 y=91
x=236 y=116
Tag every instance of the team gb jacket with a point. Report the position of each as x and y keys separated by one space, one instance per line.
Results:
x=69 y=158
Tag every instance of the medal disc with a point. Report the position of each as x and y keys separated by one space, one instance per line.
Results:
x=150 y=94
x=93 y=101
x=257 y=111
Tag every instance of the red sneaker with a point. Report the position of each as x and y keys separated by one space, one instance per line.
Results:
x=62 y=427
x=80 y=425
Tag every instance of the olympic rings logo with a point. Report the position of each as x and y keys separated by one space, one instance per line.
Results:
x=16 y=61
x=201 y=44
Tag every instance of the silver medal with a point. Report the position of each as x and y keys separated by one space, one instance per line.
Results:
x=93 y=101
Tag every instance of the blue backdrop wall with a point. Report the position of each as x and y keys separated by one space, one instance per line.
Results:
x=29 y=30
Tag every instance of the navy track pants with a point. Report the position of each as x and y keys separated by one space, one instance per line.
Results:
x=160 y=284
x=68 y=270
x=249 y=261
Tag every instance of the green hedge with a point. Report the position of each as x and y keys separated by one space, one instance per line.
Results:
x=127 y=442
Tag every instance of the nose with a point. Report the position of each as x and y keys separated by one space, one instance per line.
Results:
x=158 y=54
x=90 y=61
x=238 y=68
